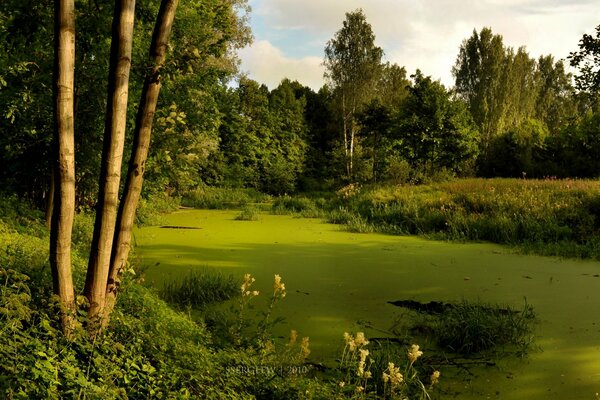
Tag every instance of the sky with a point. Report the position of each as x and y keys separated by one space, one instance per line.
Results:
x=290 y=35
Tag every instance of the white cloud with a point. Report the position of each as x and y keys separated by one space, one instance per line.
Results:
x=423 y=34
x=266 y=64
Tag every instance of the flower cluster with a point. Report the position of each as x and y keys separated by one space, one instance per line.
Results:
x=353 y=343
x=245 y=288
x=393 y=376
x=304 y=347
x=363 y=353
x=414 y=353
x=293 y=337
x=435 y=377
x=278 y=287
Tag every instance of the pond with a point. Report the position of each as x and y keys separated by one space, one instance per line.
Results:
x=339 y=282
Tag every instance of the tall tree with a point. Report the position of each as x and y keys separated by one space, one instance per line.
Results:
x=520 y=86
x=112 y=155
x=434 y=131
x=478 y=74
x=141 y=144
x=353 y=65
x=587 y=61
x=64 y=161
x=555 y=103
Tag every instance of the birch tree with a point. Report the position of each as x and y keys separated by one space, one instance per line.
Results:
x=141 y=143
x=112 y=155
x=64 y=161
x=353 y=65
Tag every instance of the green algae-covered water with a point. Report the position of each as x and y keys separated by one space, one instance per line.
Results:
x=339 y=281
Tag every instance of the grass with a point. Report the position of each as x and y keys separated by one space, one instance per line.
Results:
x=470 y=327
x=548 y=217
x=300 y=206
x=248 y=213
x=200 y=288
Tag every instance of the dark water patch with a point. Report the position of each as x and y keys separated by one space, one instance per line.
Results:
x=438 y=307
x=179 y=227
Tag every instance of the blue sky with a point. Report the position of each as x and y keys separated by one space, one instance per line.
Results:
x=290 y=35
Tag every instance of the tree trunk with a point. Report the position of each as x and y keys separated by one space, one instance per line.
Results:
x=63 y=161
x=345 y=128
x=139 y=154
x=112 y=157
x=50 y=198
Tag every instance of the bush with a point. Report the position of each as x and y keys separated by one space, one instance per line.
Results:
x=248 y=213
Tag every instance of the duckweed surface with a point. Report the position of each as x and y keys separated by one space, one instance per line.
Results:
x=339 y=281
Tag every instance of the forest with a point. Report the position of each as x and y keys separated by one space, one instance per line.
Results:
x=117 y=117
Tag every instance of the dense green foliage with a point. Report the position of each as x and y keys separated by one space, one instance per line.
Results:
x=508 y=114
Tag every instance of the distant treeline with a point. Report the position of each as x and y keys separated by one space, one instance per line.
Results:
x=508 y=114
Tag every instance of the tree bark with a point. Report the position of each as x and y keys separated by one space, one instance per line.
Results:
x=112 y=157
x=139 y=155
x=63 y=161
x=50 y=198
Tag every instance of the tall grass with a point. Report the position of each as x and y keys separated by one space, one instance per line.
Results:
x=301 y=206
x=248 y=213
x=200 y=288
x=554 y=217
x=473 y=327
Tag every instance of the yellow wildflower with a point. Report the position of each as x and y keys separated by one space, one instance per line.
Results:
x=361 y=363
x=293 y=337
x=349 y=342
x=248 y=281
x=394 y=376
x=304 y=347
x=360 y=339
x=435 y=377
x=414 y=353
x=278 y=286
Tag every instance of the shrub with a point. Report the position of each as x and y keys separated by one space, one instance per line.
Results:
x=248 y=213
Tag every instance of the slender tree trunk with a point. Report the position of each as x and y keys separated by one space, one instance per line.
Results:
x=345 y=128
x=50 y=198
x=63 y=161
x=112 y=157
x=139 y=154
x=352 y=134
